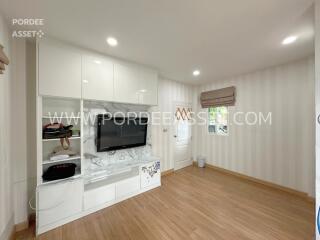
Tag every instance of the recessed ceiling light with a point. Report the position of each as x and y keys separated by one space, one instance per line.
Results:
x=97 y=61
x=112 y=41
x=289 y=40
x=196 y=73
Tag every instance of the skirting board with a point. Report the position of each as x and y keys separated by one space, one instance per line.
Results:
x=24 y=225
x=21 y=226
x=168 y=172
x=261 y=182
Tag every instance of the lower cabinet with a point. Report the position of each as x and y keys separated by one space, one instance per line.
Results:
x=99 y=196
x=127 y=187
x=59 y=201
x=150 y=174
x=62 y=202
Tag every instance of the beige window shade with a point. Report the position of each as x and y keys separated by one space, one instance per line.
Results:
x=219 y=97
x=2 y=66
x=3 y=58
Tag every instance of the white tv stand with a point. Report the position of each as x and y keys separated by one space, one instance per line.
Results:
x=64 y=201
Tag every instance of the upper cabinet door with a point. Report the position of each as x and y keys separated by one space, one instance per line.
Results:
x=148 y=87
x=59 y=69
x=126 y=83
x=135 y=84
x=97 y=78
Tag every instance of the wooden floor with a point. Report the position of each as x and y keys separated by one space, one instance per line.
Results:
x=196 y=204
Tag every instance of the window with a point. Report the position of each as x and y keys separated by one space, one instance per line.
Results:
x=218 y=120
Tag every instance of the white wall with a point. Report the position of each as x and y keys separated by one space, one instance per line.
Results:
x=317 y=88
x=282 y=153
x=23 y=103
x=6 y=195
x=169 y=93
x=19 y=131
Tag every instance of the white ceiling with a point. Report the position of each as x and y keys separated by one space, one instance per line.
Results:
x=220 y=38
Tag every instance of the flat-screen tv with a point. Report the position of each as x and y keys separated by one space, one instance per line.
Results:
x=115 y=133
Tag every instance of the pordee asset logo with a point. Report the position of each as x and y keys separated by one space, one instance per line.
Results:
x=28 y=22
x=27 y=34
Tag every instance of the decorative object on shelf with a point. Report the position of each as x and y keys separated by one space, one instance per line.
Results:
x=3 y=60
x=59 y=171
x=58 y=130
x=152 y=170
x=60 y=153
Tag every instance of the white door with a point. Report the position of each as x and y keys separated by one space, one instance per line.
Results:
x=182 y=153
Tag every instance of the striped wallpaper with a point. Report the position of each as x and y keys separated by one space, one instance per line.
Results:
x=169 y=93
x=282 y=153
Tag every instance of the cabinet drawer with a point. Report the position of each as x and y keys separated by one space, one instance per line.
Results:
x=127 y=187
x=59 y=201
x=98 y=196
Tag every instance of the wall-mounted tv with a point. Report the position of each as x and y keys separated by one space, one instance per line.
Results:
x=115 y=133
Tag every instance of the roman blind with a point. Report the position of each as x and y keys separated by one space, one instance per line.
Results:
x=3 y=60
x=219 y=97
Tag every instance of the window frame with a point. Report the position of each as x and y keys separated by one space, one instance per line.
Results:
x=208 y=123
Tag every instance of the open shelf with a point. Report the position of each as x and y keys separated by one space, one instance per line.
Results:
x=68 y=112
x=61 y=160
x=58 y=139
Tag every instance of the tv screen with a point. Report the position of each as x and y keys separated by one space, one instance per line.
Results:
x=120 y=133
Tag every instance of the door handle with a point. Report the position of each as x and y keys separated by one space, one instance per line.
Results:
x=175 y=136
x=319 y=118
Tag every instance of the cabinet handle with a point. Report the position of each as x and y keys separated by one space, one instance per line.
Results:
x=319 y=118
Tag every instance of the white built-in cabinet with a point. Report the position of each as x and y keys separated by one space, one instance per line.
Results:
x=97 y=78
x=127 y=187
x=66 y=77
x=98 y=196
x=59 y=201
x=59 y=69
x=66 y=71
x=135 y=84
